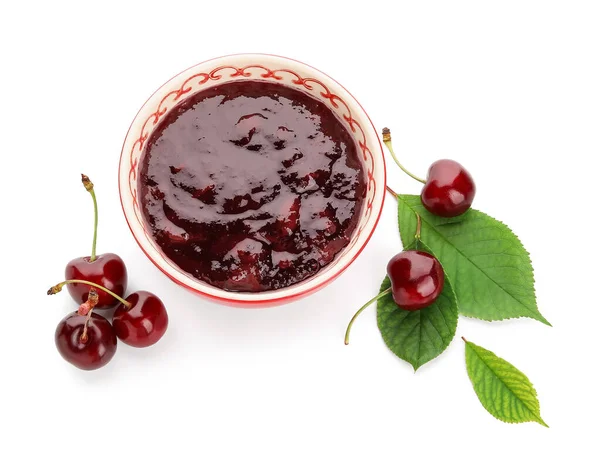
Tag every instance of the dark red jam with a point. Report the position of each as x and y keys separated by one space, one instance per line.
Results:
x=251 y=186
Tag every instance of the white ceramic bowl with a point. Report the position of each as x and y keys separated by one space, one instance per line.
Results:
x=253 y=67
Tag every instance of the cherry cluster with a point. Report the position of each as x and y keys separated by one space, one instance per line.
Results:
x=87 y=339
x=416 y=276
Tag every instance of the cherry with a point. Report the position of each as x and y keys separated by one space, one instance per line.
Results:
x=449 y=189
x=107 y=270
x=140 y=320
x=417 y=279
x=86 y=342
x=144 y=322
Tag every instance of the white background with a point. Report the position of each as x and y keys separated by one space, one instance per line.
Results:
x=511 y=89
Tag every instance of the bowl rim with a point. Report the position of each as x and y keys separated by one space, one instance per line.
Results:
x=244 y=300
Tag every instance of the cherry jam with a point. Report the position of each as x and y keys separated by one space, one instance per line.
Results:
x=251 y=186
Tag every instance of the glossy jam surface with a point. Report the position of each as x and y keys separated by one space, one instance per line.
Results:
x=251 y=186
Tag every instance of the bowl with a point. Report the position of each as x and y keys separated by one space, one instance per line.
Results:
x=287 y=72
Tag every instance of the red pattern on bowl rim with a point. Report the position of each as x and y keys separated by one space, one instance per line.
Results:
x=263 y=67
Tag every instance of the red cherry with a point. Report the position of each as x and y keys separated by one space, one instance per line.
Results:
x=107 y=270
x=449 y=189
x=417 y=279
x=93 y=351
x=144 y=322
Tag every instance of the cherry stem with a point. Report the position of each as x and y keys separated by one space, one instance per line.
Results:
x=379 y=296
x=89 y=186
x=387 y=140
x=91 y=302
x=58 y=288
x=84 y=336
x=394 y=194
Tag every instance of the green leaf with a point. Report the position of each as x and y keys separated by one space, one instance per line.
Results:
x=486 y=263
x=421 y=335
x=502 y=389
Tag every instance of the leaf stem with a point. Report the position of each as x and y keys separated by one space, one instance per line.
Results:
x=387 y=140
x=89 y=186
x=367 y=304
x=418 y=231
x=58 y=288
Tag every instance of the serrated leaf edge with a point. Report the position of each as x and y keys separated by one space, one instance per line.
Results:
x=419 y=363
x=535 y=417
x=538 y=316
